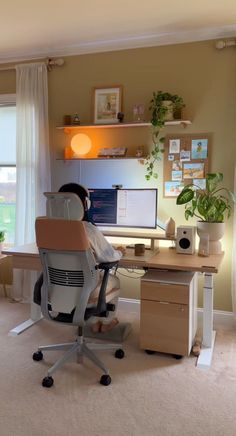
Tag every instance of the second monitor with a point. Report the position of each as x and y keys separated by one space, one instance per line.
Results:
x=124 y=207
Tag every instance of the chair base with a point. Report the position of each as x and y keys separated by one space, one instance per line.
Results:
x=79 y=348
x=118 y=334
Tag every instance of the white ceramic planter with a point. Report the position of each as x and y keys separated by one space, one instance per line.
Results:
x=215 y=232
x=169 y=116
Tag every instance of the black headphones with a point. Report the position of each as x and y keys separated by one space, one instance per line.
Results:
x=87 y=198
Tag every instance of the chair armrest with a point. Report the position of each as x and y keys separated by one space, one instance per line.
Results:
x=107 y=265
x=101 y=308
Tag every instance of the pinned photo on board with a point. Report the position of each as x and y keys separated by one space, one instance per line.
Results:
x=199 y=184
x=176 y=175
x=193 y=171
x=176 y=165
x=199 y=148
x=173 y=189
x=174 y=146
x=184 y=155
x=171 y=157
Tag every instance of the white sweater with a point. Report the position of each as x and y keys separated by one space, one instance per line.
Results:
x=103 y=250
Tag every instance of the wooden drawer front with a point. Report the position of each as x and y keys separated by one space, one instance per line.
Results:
x=158 y=291
x=164 y=327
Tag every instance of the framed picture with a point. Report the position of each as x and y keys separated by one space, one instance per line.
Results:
x=107 y=104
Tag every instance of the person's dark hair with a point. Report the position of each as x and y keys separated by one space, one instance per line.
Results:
x=75 y=188
x=82 y=193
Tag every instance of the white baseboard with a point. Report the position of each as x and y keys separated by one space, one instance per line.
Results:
x=133 y=306
x=129 y=305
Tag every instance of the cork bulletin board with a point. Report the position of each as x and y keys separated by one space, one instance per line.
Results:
x=186 y=160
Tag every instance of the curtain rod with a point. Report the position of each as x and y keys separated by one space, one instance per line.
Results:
x=50 y=63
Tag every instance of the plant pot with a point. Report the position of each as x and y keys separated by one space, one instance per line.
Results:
x=177 y=114
x=215 y=232
x=169 y=116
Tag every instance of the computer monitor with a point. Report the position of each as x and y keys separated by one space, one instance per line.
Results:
x=124 y=207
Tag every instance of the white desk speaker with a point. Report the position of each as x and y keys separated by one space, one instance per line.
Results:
x=185 y=239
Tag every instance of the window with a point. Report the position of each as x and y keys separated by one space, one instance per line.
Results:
x=8 y=166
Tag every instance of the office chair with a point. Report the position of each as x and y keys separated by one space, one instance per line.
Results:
x=70 y=275
x=68 y=205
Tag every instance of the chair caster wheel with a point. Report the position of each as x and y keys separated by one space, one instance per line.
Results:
x=150 y=351
x=37 y=356
x=177 y=356
x=119 y=354
x=47 y=382
x=105 y=380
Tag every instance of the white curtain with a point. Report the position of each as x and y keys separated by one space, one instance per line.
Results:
x=32 y=160
x=233 y=287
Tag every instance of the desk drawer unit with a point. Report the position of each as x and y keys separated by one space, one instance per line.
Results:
x=168 y=311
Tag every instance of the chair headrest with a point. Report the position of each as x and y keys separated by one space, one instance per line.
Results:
x=65 y=205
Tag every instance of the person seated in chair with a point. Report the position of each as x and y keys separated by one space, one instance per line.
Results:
x=103 y=252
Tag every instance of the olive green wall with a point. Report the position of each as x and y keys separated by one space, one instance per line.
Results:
x=203 y=76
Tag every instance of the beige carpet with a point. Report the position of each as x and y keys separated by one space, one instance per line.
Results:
x=149 y=394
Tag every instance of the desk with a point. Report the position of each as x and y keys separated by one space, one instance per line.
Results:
x=27 y=257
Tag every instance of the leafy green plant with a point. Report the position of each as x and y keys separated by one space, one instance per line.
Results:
x=158 y=115
x=2 y=236
x=212 y=204
x=159 y=111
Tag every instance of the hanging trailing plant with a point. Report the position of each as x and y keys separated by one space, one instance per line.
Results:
x=155 y=154
x=159 y=113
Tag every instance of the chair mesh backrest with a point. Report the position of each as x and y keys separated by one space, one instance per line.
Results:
x=65 y=205
x=66 y=278
x=69 y=266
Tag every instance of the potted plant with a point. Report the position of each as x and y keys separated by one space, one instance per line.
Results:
x=163 y=106
x=2 y=238
x=211 y=206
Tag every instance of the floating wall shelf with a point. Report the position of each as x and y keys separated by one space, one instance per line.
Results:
x=183 y=123
x=70 y=128
x=103 y=158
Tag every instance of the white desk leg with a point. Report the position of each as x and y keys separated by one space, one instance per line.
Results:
x=31 y=321
x=204 y=360
x=35 y=316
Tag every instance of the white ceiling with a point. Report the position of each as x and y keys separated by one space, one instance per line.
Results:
x=30 y=29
